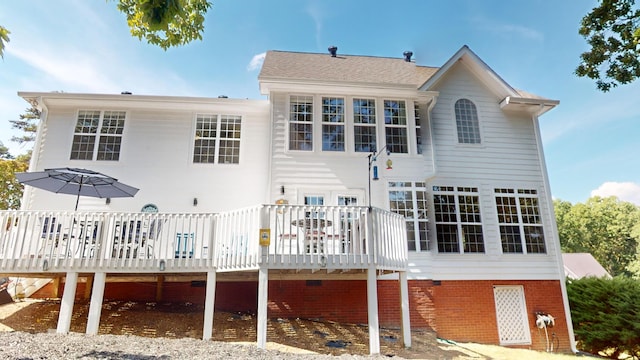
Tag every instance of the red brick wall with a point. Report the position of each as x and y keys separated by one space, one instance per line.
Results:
x=465 y=311
x=462 y=311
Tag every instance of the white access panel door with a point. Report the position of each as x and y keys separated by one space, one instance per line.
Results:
x=511 y=313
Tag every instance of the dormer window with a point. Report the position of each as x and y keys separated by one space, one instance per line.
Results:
x=467 y=122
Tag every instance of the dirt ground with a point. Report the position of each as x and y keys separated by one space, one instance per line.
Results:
x=179 y=320
x=185 y=320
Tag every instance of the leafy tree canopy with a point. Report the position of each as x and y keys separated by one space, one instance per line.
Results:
x=607 y=228
x=4 y=38
x=10 y=188
x=165 y=23
x=612 y=31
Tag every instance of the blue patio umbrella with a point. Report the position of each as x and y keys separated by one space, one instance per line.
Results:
x=79 y=182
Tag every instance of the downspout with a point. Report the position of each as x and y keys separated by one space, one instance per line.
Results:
x=554 y=230
x=434 y=167
x=35 y=152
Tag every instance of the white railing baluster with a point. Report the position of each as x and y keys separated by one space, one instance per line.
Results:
x=302 y=237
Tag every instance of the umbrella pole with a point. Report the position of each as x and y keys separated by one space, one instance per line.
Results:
x=79 y=190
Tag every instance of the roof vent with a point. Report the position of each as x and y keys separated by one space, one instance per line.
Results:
x=223 y=97
x=333 y=50
x=125 y=93
x=407 y=56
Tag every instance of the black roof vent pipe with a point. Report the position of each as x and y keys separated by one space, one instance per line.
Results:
x=333 y=50
x=407 y=56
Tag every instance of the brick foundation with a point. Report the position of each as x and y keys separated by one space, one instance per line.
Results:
x=462 y=311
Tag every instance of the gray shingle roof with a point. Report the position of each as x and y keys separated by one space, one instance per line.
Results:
x=343 y=68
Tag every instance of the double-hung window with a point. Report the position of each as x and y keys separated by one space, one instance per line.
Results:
x=521 y=229
x=395 y=121
x=458 y=222
x=98 y=135
x=301 y=123
x=364 y=125
x=410 y=200
x=217 y=139
x=417 y=118
x=332 y=124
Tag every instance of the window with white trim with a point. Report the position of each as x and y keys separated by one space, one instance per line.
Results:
x=364 y=125
x=301 y=123
x=467 y=122
x=457 y=219
x=217 y=139
x=417 y=118
x=314 y=200
x=347 y=200
x=395 y=120
x=409 y=199
x=332 y=124
x=98 y=135
x=521 y=229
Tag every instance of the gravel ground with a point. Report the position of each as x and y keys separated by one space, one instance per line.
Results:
x=26 y=346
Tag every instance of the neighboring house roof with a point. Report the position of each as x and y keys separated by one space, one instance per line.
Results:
x=343 y=68
x=579 y=265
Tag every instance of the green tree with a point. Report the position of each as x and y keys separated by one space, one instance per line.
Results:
x=28 y=124
x=605 y=227
x=10 y=188
x=4 y=38
x=606 y=315
x=613 y=34
x=165 y=23
x=4 y=152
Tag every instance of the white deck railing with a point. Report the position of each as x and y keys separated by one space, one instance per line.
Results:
x=300 y=237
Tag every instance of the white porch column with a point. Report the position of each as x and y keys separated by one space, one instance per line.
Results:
x=209 y=305
x=404 y=309
x=372 y=308
x=263 y=290
x=95 y=307
x=66 y=305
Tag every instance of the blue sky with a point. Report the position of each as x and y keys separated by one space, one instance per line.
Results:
x=590 y=140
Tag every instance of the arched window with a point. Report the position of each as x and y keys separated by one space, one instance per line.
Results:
x=467 y=122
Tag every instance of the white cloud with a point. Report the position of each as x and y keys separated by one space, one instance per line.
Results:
x=256 y=61
x=625 y=191
x=317 y=14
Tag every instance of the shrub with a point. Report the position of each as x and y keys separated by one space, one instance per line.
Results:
x=606 y=315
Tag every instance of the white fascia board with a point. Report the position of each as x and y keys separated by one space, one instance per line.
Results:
x=532 y=105
x=375 y=90
x=144 y=101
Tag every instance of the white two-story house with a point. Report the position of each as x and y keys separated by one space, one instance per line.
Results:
x=376 y=190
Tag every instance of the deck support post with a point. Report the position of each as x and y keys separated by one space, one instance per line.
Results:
x=209 y=305
x=263 y=289
x=404 y=309
x=66 y=304
x=372 y=310
x=95 y=307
